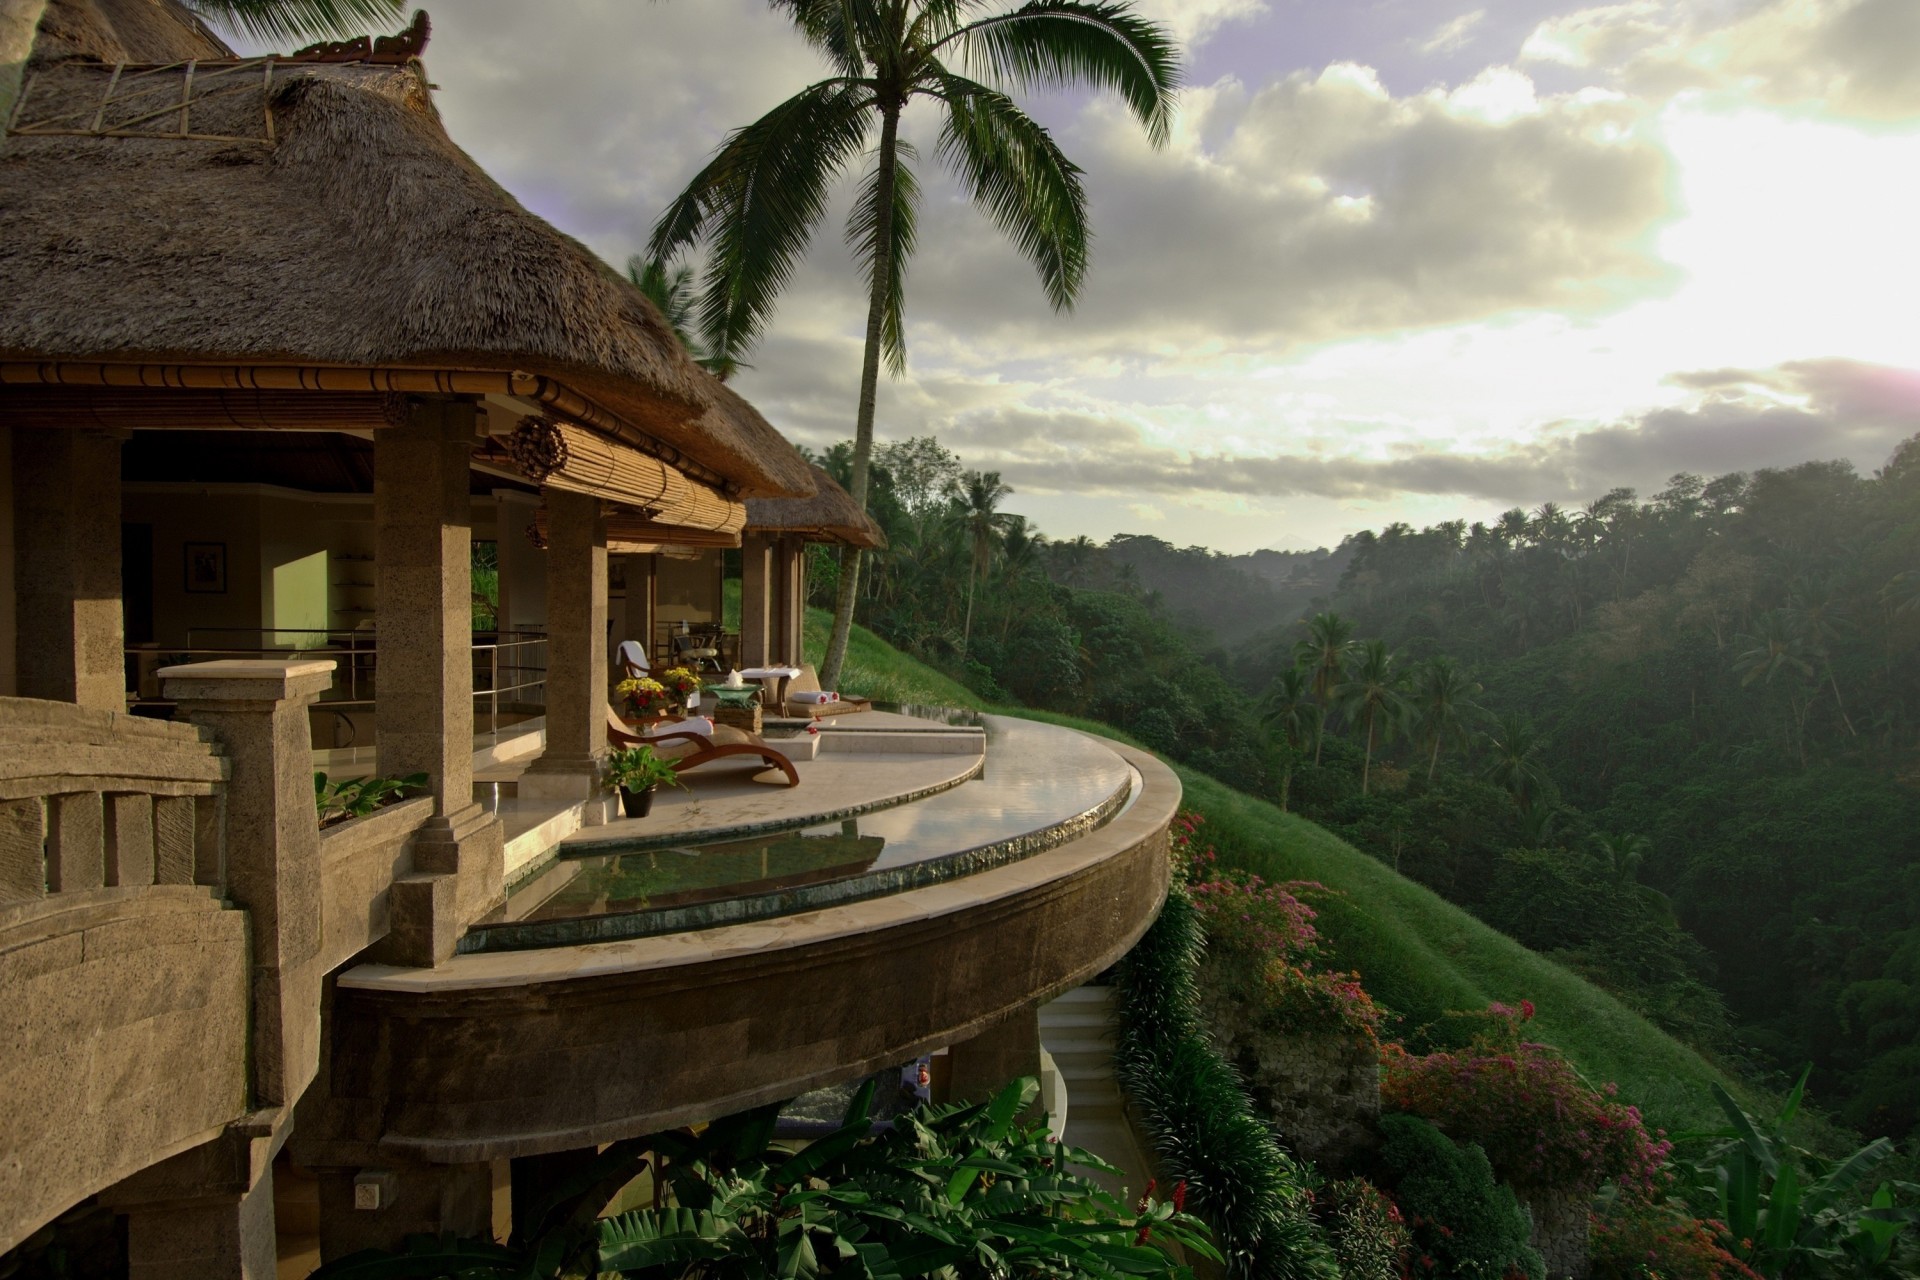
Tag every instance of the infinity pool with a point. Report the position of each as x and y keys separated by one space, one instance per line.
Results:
x=1041 y=787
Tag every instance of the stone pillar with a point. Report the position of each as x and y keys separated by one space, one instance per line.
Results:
x=258 y=712
x=379 y=1206
x=789 y=599
x=981 y=1067
x=205 y=1213
x=757 y=624
x=68 y=627
x=423 y=691
x=637 y=611
x=568 y=770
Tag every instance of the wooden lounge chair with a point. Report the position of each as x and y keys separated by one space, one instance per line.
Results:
x=686 y=750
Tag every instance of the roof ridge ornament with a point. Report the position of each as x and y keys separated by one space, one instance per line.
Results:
x=394 y=50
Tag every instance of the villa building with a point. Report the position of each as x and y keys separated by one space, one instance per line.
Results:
x=276 y=357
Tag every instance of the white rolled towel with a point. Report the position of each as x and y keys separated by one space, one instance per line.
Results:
x=813 y=697
x=692 y=724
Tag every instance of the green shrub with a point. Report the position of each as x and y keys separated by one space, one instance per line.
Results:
x=1465 y=1225
x=1198 y=1119
x=1370 y=1238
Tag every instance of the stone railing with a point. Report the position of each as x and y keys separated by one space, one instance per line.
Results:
x=118 y=960
x=91 y=800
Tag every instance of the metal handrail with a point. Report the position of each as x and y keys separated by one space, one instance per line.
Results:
x=357 y=659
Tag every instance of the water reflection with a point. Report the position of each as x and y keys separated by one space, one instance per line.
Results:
x=679 y=876
x=1043 y=787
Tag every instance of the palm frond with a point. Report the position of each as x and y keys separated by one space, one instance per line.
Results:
x=863 y=227
x=1056 y=44
x=1021 y=179
x=286 y=21
x=830 y=26
x=757 y=202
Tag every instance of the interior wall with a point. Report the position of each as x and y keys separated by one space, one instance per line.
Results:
x=688 y=590
x=9 y=671
x=206 y=518
x=523 y=566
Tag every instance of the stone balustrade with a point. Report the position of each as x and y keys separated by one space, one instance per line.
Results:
x=95 y=799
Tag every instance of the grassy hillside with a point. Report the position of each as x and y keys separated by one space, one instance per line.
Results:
x=1418 y=954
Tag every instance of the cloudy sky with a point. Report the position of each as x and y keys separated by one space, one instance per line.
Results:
x=1402 y=259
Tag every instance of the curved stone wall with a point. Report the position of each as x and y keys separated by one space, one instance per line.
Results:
x=522 y=1053
x=124 y=1039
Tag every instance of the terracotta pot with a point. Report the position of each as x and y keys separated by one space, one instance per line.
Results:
x=637 y=804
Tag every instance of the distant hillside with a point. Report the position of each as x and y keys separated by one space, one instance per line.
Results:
x=1418 y=954
x=1232 y=598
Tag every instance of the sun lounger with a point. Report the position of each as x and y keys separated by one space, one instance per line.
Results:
x=685 y=749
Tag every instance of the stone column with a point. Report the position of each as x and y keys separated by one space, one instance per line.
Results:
x=66 y=486
x=981 y=1067
x=258 y=712
x=637 y=611
x=789 y=599
x=757 y=624
x=568 y=771
x=423 y=692
x=205 y=1213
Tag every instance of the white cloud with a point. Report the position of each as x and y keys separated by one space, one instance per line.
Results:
x=1851 y=58
x=1454 y=34
x=1193 y=22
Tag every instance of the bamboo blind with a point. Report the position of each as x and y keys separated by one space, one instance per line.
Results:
x=561 y=455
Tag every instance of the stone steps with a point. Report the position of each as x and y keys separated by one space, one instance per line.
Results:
x=1076 y=1030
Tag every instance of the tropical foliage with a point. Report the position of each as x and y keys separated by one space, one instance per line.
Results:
x=975 y=1192
x=1789 y=1213
x=358 y=797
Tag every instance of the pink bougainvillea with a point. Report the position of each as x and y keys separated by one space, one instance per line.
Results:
x=1540 y=1124
x=1269 y=929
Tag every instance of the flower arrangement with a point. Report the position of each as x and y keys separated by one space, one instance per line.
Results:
x=1540 y=1124
x=683 y=682
x=645 y=696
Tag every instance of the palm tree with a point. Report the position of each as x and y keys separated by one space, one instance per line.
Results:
x=671 y=290
x=756 y=202
x=979 y=517
x=1515 y=747
x=1623 y=856
x=1443 y=701
x=1373 y=695
x=1324 y=654
x=1290 y=711
x=1823 y=623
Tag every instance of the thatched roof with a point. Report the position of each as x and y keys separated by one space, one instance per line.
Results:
x=828 y=516
x=318 y=215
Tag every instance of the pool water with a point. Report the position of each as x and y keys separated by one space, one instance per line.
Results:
x=1041 y=787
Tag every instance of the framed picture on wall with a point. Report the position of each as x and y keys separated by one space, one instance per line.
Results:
x=206 y=568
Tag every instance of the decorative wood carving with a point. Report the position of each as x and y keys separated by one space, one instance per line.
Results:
x=395 y=50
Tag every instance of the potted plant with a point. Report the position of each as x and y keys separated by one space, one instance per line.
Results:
x=637 y=771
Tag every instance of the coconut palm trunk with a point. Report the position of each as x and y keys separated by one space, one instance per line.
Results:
x=848 y=595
